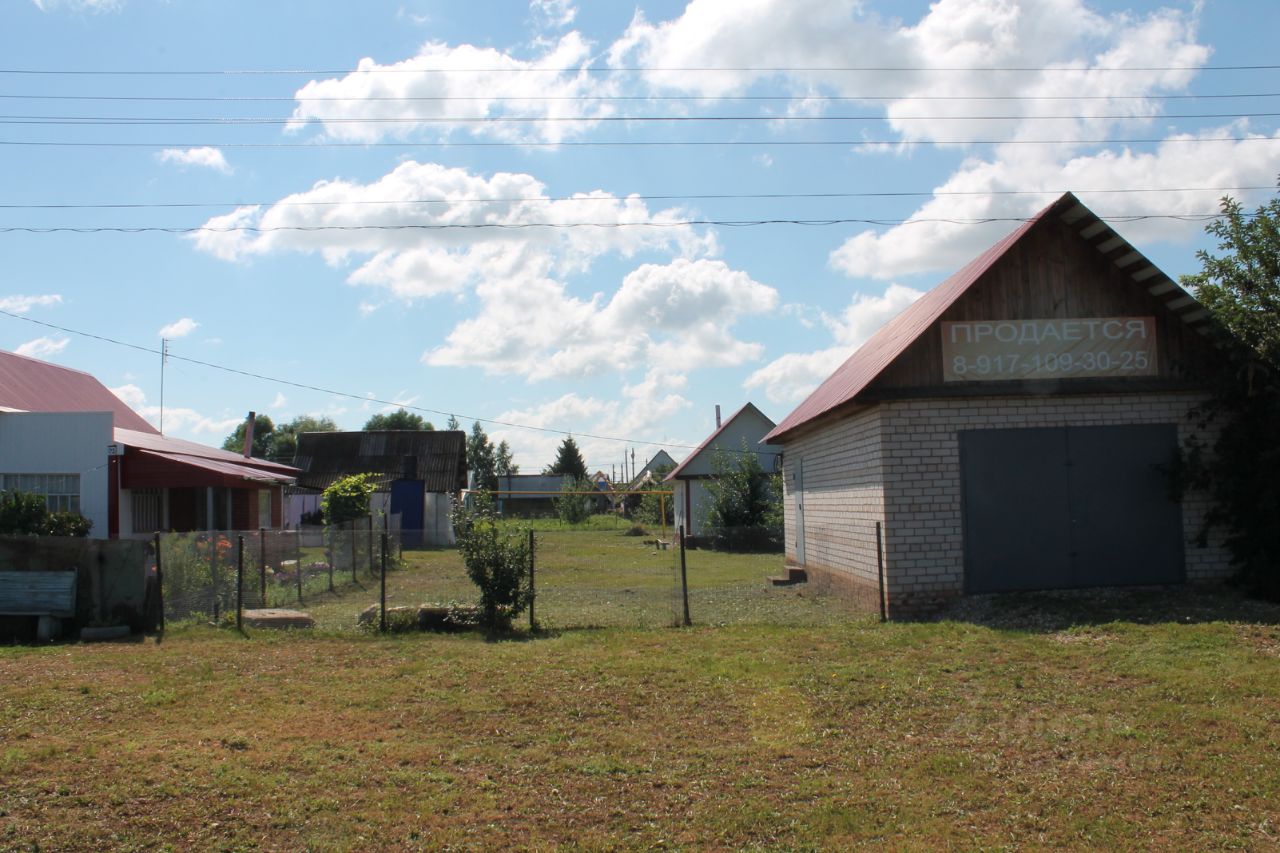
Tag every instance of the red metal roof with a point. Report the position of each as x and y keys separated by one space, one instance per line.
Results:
x=210 y=458
x=861 y=368
x=709 y=440
x=30 y=385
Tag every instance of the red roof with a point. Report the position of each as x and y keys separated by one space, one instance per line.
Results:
x=30 y=385
x=148 y=468
x=209 y=458
x=710 y=440
x=861 y=368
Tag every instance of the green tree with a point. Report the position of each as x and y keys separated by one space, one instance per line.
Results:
x=745 y=505
x=347 y=499
x=453 y=423
x=284 y=444
x=502 y=463
x=1240 y=468
x=568 y=460
x=399 y=419
x=651 y=508
x=572 y=506
x=480 y=458
x=263 y=438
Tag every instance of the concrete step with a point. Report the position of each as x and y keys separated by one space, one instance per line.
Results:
x=794 y=575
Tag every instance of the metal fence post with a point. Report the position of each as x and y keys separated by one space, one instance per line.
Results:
x=370 y=541
x=159 y=587
x=328 y=547
x=684 y=578
x=533 y=586
x=354 y=561
x=382 y=597
x=262 y=565
x=884 y=616
x=240 y=583
x=297 y=559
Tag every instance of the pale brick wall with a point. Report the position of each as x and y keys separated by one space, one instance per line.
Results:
x=923 y=526
x=843 y=499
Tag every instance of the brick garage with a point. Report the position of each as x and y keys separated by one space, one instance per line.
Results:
x=1008 y=431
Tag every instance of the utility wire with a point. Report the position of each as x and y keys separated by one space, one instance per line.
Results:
x=522 y=226
x=344 y=394
x=624 y=98
x=146 y=121
x=662 y=197
x=596 y=69
x=634 y=143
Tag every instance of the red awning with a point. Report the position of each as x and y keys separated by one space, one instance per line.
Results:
x=145 y=469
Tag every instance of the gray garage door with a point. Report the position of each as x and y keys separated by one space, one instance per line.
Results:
x=1069 y=507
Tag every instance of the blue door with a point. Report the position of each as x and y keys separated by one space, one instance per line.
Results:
x=407 y=500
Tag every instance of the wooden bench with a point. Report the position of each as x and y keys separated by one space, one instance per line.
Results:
x=49 y=596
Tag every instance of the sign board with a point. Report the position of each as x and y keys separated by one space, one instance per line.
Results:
x=994 y=350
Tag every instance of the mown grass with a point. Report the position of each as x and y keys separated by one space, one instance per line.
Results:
x=1161 y=736
x=593 y=576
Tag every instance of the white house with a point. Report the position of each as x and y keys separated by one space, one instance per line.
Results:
x=742 y=432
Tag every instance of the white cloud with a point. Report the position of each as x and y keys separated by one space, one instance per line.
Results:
x=939 y=245
x=279 y=402
x=646 y=407
x=553 y=14
x=79 y=5
x=462 y=229
x=176 y=418
x=22 y=304
x=204 y=158
x=793 y=376
x=675 y=316
x=429 y=91
x=42 y=347
x=179 y=328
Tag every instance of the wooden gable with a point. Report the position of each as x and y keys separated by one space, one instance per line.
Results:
x=1052 y=272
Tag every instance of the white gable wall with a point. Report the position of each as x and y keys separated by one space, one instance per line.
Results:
x=62 y=443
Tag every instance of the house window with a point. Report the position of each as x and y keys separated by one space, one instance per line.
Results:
x=61 y=492
x=264 y=508
x=146 y=510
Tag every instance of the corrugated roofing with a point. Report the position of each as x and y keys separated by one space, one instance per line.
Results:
x=31 y=385
x=220 y=467
x=710 y=440
x=437 y=457
x=177 y=447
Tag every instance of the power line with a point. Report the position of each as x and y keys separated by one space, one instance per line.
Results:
x=522 y=226
x=654 y=197
x=344 y=394
x=641 y=143
x=147 y=121
x=597 y=69
x=625 y=98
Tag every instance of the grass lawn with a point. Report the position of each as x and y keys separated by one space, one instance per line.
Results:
x=589 y=577
x=1158 y=731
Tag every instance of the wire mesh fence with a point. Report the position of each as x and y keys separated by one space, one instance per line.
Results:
x=598 y=574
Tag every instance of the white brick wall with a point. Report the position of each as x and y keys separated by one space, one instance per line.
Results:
x=899 y=463
x=923 y=526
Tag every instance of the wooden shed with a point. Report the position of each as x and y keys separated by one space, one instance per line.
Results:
x=1008 y=431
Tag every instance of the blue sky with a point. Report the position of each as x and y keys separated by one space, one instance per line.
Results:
x=551 y=280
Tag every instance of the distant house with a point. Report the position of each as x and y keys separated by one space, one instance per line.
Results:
x=743 y=431
x=649 y=473
x=415 y=471
x=529 y=495
x=1009 y=431
x=65 y=436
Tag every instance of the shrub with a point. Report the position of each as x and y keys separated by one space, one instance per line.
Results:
x=497 y=560
x=636 y=530
x=23 y=514
x=745 y=513
x=347 y=499
x=574 y=508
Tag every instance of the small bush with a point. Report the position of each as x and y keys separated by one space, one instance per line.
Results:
x=23 y=514
x=574 y=508
x=636 y=530
x=497 y=559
